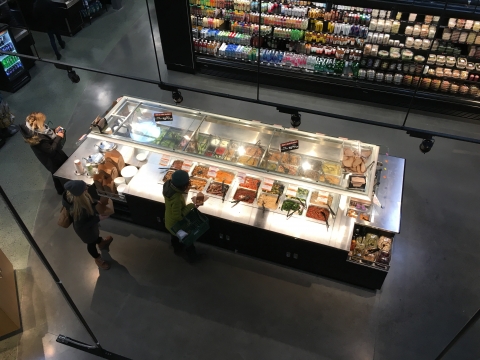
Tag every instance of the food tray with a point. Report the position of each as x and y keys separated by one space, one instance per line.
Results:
x=314 y=209
x=289 y=158
x=217 y=185
x=198 y=147
x=241 y=192
x=270 y=201
x=225 y=175
x=359 y=206
x=273 y=155
x=289 y=201
x=300 y=192
x=269 y=165
x=176 y=164
x=278 y=187
x=165 y=176
x=287 y=169
x=248 y=160
x=251 y=183
x=199 y=170
x=196 y=184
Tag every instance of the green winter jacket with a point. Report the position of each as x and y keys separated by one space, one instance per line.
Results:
x=175 y=206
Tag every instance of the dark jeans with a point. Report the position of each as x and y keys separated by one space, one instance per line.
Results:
x=51 y=34
x=178 y=247
x=92 y=248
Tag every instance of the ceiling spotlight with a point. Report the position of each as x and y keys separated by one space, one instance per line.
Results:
x=296 y=120
x=177 y=96
x=426 y=145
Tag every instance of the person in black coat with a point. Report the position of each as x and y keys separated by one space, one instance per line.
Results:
x=85 y=217
x=47 y=15
x=46 y=144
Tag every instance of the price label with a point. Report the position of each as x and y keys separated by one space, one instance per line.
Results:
x=292 y=190
x=163 y=116
x=267 y=184
x=289 y=145
x=212 y=171
x=320 y=134
x=296 y=129
x=256 y=121
x=278 y=126
x=187 y=164
x=342 y=138
x=165 y=160
x=241 y=177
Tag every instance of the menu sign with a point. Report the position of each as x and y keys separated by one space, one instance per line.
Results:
x=212 y=171
x=164 y=116
x=289 y=145
x=292 y=190
x=165 y=159
x=267 y=184
x=187 y=164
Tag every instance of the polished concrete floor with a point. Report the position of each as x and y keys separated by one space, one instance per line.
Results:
x=153 y=305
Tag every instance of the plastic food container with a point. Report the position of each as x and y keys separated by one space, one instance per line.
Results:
x=395 y=27
x=407 y=54
x=407 y=80
x=474 y=91
x=409 y=30
x=463 y=89
x=454 y=88
x=412 y=17
x=417 y=44
x=464 y=75
x=388 y=78
x=447 y=34
x=397 y=79
x=416 y=30
x=440 y=60
x=432 y=58
x=476 y=26
x=471 y=38
x=445 y=86
x=428 y=19
x=379 y=77
x=373 y=25
x=439 y=72
x=362 y=74
x=450 y=61
x=435 y=85
x=426 y=44
x=447 y=73
x=432 y=30
x=409 y=41
x=462 y=63
x=380 y=25
x=461 y=23
x=452 y=22
x=383 y=54
x=425 y=83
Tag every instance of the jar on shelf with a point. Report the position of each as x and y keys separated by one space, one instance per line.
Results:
x=412 y=17
x=407 y=80
x=468 y=24
x=447 y=34
x=409 y=41
x=450 y=61
x=445 y=86
x=388 y=78
x=388 y=26
x=452 y=22
x=425 y=84
x=455 y=35
x=379 y=77
x=440 y=60
x=371 y=75
x=463 y=89
x=435 y=85
x=380 y=24
x=397 y=79
x=373 y=25
x=471 y=38
x=473 y=91
x=426 y=44
x=362 y=73
x=432 y=30
x=463 y=37
x=416 y=30
x=462 y=63
x=476 y=26
x=454 y=88
x=395 y=27
x=409 y=30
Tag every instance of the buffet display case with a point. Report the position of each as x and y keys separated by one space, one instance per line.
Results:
x=415 y=48
x=292 y=205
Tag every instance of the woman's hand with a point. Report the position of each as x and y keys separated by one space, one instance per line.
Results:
x=61 y=134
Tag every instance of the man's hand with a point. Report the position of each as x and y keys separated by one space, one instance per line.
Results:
x=61 y=134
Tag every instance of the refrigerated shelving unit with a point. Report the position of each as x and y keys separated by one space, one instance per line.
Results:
x=214 y=148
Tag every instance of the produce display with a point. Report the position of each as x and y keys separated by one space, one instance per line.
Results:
x=248 y=160
x=318 y=213
x=300 y=194
x=277 y=188
x=290 y=159
x=321 y=198
x=198 y=146
x=267 y=200
x=172 y=139
x=225 y=176
x=331 y=169
x=197 y=184
x=177 y=164
x=250 y=183
x=287 y=169
x=200 y=171
x=244 y=195
x=168 y=176
x=292 y=206
x=215 y=188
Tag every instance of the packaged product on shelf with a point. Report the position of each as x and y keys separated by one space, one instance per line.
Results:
x=474 y=91
x=397 y=79
x=464 y=75
x=379 y=76
x=395 y=27
x=424 y=31
x=471 y=38
x=267 y=200
x=407 y=54
x=476 y=26
x=425 y=84
x=416 y=30
x=388 y=26
x=460 y=23
x=455 y=35
x=407 y=80
x=456 y=74
x=441 y=60
x=435 y=85
x=412 y=17
x=439 y=72
x=450 y=61
x=445 y=86
x=435 y=45
x=409 y=30
x=454 y=88
x=463 y=89
x=452 y=22
x=432 y=30
x=388 y=78
x=428 y=19
x=447 y=34
x=417 y=44
x=463 y=37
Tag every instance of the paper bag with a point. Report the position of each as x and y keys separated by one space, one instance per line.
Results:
x=108 y=170
x=115 y=157
x=105 y=210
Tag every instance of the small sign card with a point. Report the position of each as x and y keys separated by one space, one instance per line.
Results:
x=212 y=171
x=187 y=164
x=267 y=184
x=241 y=177
x=165 y=159
x=289 y=145
x=164 y=116
x=292 y=190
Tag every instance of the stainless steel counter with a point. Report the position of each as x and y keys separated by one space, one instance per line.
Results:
x=146 y=185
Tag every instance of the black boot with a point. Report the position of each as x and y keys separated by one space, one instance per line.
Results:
x=177 y=245
x=192 y=255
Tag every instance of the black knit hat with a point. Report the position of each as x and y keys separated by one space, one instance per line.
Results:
x=76 y=187
x=180 y=178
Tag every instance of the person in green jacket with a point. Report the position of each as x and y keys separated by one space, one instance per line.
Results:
x=175 y=191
